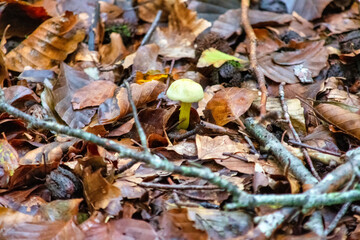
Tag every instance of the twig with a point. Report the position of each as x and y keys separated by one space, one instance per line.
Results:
x=126 y=166
x=299 y=200
x=317 y=195
x=152 y=28
x=314 y=148
x=152 y=160
x=341 y=213
x=139 y=129
x=235 y=156
x=167 y=81
x=280 y=152
x=178 y=137
x=217 y=129
x=293 y=131
x=176 y=187
x=252 y=55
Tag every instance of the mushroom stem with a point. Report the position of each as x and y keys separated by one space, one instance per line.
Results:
x=184 y=116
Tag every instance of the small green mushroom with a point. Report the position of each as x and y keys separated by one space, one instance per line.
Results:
x=186 y=91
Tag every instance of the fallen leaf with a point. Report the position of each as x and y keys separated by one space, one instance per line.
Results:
x=146 y=59
x=213 y=57
x=9 y=218
x=210 y=148
x=176 y=41
x=8 y=162
x=19 y=94
x=118 y=106
x=122 y=229
x=48 y=45
x=44 y=230
x=148 y=10
x=217 y=223
x=230 y=103
x=175 y=224
x=113 y=51
x=71 y=80
x=98 y=192
x=308 y=9
x=60 y=210
x=93 y=94
x=279 y=66
x=337 y=115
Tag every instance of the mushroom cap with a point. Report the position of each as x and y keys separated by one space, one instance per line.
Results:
x=185 y=90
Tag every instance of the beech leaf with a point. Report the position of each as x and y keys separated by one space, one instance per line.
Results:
x=216 y=58
x=230 y=103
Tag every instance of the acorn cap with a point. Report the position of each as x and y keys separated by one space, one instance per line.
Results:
x=185 y=90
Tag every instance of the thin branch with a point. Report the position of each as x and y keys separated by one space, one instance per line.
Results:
x=284 y=157
x=139 y=128
x=152 y=28
x=176 y=187
x=167 y=81
x=126 y=166
x=178 y=137
x=235 y=156
x=314 y=148
x=152 y=160
x=294 y=133
x=252 y=55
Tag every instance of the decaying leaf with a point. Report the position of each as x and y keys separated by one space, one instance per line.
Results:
x=230 y=103
x=8 y=162
x=71 y=80
x=308 y=9
x=230 y=22
x=49 y=44
x=44 y=230
x=295 y=110
x=216 y=223
x=339 y=116
x=98 y=191
x=177 y=40
x=113 y=51
x=210 y=148
x=146 y=59
x=175 y=223
x=93 y=94
x=280 y=66
x=216 y=58
x=122 y=229
x=118 y=106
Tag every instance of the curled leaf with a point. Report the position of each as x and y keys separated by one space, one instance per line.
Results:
x=48 y=45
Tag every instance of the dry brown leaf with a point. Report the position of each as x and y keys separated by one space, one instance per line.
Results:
x=17 y=94
x=60 y=210
x=149 y=9
x=308 y=9
x=238 y=165
x=44 y=230
x=129 y=188
x=280 y=67
x=230 y=22
x=71 y=80
x=177 y=40
x=344 y=21
x=8 y=162
x=175 y=224
x=216 y=222
x=3 y=69
x=98 y=192
x=113 y=51
x=340 y=117
x=186 y=148
x=93 y=94
x=118 y=106
x=122 y=229
x=146 y=59
x=9 y=218
x=230 y=103
x=48 y=45
x=210 y=148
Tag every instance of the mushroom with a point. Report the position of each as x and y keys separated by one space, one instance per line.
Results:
x=186 y=91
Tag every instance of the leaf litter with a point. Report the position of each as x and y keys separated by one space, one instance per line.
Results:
x=57 y=187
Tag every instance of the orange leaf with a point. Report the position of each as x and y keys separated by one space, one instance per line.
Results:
x=230 y=103
x=48 y=45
